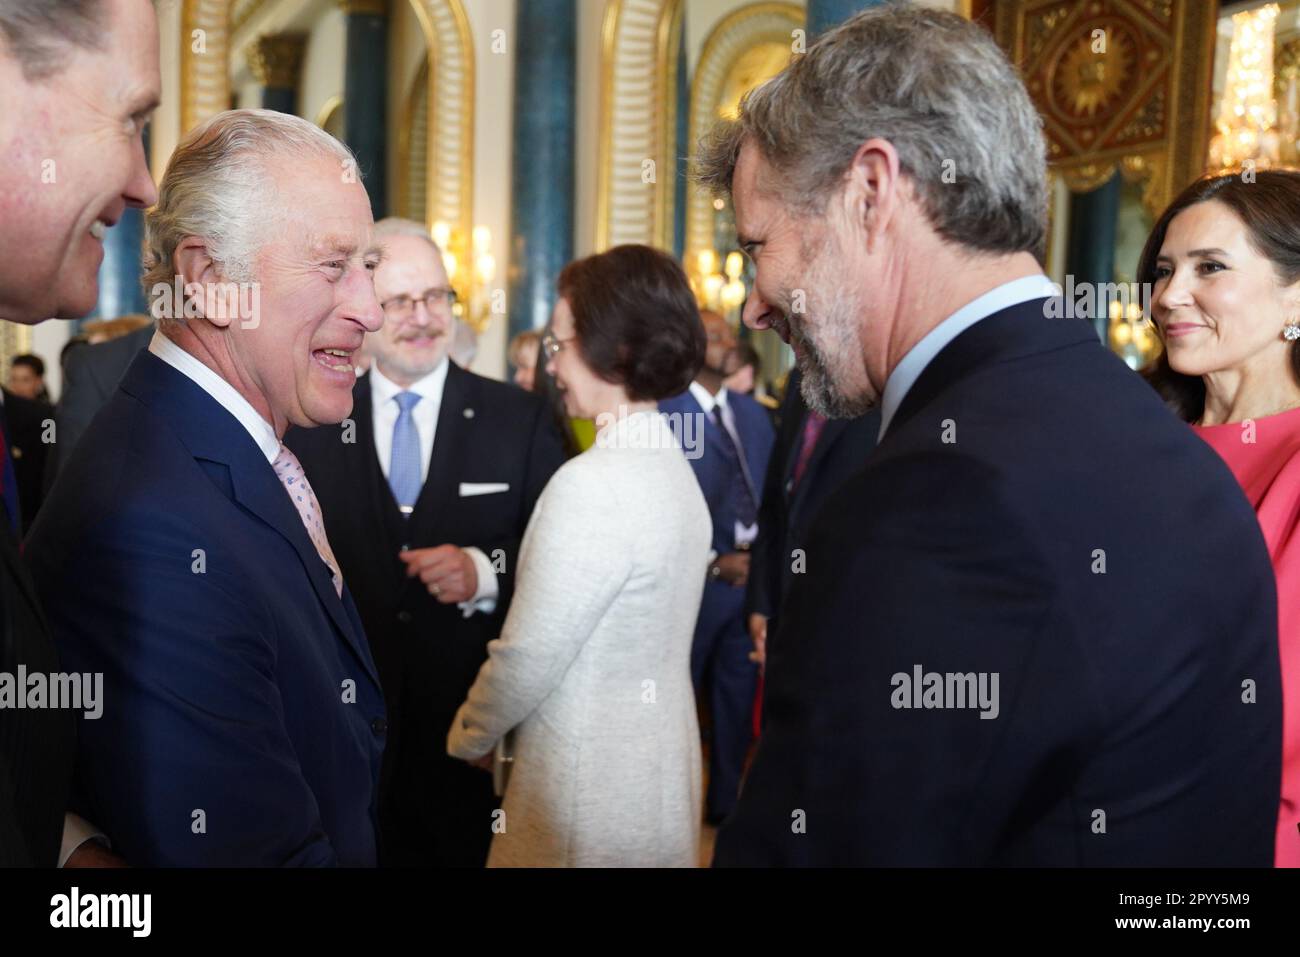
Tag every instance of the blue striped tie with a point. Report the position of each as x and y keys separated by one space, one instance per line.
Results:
x=404 y=465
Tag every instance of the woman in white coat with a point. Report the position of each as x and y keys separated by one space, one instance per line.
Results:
x=592 y=669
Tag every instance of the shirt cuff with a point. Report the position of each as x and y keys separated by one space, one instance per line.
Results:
x=485 y=596
x=77 y=831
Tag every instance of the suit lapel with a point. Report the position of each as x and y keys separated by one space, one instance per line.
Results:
x=10 y=546
x=456 y=418
x=211 y=433
x=366 y=470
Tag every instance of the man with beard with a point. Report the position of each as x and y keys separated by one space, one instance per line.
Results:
x=427 y=490
x=730 y=467
x=999 y=654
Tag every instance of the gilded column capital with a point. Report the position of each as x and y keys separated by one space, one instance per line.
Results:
x=276 y=60
x=377 y=8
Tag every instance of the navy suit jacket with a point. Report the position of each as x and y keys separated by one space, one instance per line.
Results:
x=756 y=437
x=1033 y=513
x=242 y=718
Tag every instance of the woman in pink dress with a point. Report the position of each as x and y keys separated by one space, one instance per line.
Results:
x=1224 y=267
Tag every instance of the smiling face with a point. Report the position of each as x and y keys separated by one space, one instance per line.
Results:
x=805 y=289
x=585 y=393
x=74 y=162
x=1217 y=301
x=316 y=277
x=416 y=335
x=719 y=341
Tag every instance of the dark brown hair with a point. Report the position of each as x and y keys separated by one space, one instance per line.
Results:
x=1269 y=206
x=635 y=320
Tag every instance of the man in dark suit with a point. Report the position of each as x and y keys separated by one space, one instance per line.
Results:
x=87 y=129
x=812 y=457
x=1000 y=655
x=427 y=490
x=181 y=552
x=29 y=430
x=729 y=451
x=90 y=375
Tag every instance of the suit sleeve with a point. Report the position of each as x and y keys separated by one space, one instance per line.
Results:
x=924 y=564
x=574 y=561
x=545 y=455
x=81 y=398
x=190 y=700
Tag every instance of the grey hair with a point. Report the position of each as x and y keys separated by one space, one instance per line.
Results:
x=391 y=226
x=217 y=186
x=35 y=31
x=930 y=82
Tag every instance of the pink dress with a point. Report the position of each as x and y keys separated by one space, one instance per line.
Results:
x=1268 y=469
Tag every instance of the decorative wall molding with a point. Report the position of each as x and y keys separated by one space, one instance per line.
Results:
x=738 y=32
x=1140 y=106
x=638 y=116
x=205 y=70
x=449 y=172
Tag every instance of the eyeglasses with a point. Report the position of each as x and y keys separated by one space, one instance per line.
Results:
x=403 y=307
x=553 y=345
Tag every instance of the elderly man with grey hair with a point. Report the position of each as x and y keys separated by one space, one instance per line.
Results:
x=999 y=654
x=184 y=554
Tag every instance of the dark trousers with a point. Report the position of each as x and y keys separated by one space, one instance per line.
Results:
x=726 y=679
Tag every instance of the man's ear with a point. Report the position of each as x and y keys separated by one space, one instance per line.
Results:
x=872 y=188
x=206 y=290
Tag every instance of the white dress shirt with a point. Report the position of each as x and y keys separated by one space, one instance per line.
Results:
x=262 y=431
x=905 y=374
x=384 y=412
x=745 y=534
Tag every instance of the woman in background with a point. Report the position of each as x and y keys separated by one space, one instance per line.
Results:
x=1224 y=266
x=592 y=668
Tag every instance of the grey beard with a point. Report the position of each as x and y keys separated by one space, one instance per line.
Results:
x=819 y=392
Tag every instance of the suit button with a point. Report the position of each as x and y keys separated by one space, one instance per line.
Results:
x=404 y=617
x=379 y=725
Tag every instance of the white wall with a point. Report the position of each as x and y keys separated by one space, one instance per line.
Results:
x=323 y=62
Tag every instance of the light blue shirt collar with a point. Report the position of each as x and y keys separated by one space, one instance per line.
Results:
x=905 y=374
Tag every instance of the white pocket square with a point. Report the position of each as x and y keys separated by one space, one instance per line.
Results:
x=482 y=488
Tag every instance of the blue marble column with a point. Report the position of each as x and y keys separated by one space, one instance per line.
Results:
x=365 y=96
x=824 y=14
x=275 y=62
x=542 y=174
x=1090 y=255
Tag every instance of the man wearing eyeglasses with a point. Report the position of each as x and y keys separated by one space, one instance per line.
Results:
x=426 y=492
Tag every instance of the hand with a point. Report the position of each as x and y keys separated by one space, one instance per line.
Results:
x=447 y=571
x=94 y=854
x=758 y=632
x=734 y=568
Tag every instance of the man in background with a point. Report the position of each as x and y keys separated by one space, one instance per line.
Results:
x=730 y=467
x=27 y=377
x=79 y=80
x=427 y=490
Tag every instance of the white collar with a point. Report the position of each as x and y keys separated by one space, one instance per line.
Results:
x=905 y=374
x=382 y=388
x=227 y=396
x=708 y=400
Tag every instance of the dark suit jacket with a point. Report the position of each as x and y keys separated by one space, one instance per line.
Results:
x=1024 y=457
x=787 y=509
x=756 y=438
x=90 y=375
x=433 y=808
x=239 y=691
x=36 y=744
x=25 y=430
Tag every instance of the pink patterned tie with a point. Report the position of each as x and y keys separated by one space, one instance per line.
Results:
x=291 y=475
